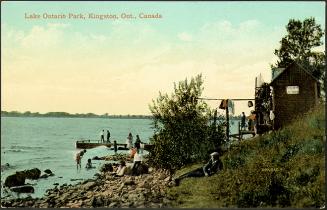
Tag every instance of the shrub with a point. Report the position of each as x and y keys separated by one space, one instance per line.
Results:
x=183 y=131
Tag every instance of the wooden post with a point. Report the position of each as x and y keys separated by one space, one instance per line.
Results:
x=239 y=131
x=227 y=122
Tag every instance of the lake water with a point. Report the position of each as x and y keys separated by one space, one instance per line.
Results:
x=49 y=143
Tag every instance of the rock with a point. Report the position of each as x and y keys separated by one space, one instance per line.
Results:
x=107 y=167
x=167 y=179
x=151 y=170
x=97 y=202
x=32 y=173
x=113 y=204
x=98 y=158
x=47 y=171
x=56 y=184
x=23 y=189
x=44 y=176
x=162 y=176
x=129 y=182
x=88 y=185
x=142 y=169
x=72 y=180
x=17 y=179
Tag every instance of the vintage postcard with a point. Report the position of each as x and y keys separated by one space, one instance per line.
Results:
x=163 y=104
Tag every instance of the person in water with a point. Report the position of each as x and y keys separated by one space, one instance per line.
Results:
x=213 y=166
x=78 y=159
x=89 y=164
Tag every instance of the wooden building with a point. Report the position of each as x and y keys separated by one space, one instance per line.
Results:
x=294 y=92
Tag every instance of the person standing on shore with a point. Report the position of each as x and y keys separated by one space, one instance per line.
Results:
x=137 y=162
x=102 y=136
x=130 y=141
x=78 y=158
x=243 y=121
x=138 y=142
x=108 y=136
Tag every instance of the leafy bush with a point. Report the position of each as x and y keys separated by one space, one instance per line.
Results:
x=183 y=130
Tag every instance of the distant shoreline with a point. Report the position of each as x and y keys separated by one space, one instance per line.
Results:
x=88 y=115
x=68 y=115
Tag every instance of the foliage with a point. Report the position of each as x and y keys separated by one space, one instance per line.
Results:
x=301 y=38
x=184 y=132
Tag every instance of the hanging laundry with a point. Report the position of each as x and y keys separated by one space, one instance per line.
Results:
x=231 y=106
x=223 y=104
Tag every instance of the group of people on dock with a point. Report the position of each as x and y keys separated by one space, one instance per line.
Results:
x=102 y=134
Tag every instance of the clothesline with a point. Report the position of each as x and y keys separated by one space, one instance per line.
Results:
x=233 y=99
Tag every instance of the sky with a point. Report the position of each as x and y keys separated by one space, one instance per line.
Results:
x=117 y=66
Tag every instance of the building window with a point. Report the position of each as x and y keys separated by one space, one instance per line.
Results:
x=292 y=90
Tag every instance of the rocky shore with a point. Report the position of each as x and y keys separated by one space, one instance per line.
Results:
x=143 y=191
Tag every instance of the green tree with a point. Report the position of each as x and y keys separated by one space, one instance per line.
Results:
x=298 y=44
x=184 y=133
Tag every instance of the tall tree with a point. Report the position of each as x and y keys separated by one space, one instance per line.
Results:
x=298 y=44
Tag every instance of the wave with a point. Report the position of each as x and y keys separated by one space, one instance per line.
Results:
x=26 y=147
x=15 y=150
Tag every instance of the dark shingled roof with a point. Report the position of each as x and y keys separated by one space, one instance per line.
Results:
x=287 y=68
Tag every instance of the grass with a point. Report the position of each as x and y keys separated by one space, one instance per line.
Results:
x=285 y=168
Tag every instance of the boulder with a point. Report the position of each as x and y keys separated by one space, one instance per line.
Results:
x=88 y=185
x=32 y=173
x=98 y=158
x=48 y=171
x=129 y=182
x=23 y=189
x=44 y=176
x=107 y=167
x=142 y=169
x=14 y=180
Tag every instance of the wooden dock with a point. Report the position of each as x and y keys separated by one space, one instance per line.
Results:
x=89 y=144
x=241 y=133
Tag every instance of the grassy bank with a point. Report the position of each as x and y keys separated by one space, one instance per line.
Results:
x=285 y=168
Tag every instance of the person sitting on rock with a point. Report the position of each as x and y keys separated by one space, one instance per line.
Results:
x=89 y=164
x=121 y=169
x=213 y=166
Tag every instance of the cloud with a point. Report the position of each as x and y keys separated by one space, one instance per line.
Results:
x=131 y=63
x=185 y=37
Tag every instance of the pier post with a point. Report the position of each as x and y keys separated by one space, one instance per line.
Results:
x=227 y=123
x=239 y=131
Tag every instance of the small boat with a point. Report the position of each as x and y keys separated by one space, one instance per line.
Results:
x=89 y=144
